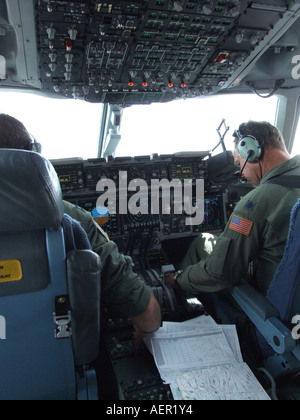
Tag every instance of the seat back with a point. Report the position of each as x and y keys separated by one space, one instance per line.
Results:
x=273 y=315
x=40 y=346
x=284 y=291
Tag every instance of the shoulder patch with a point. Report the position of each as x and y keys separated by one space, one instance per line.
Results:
x=103 y=233
x=241 y=225
x=250 y=205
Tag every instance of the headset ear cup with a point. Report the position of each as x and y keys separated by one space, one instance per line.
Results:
x=249 y=147
x=35 y=147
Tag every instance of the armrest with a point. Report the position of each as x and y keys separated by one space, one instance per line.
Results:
x=247 y=297
x=265 y=317
x=84 y=273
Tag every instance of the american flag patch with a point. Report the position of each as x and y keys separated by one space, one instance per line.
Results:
x=240 y=225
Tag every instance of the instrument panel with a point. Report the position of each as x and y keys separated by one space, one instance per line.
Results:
x=148 y=224
x=79 y=181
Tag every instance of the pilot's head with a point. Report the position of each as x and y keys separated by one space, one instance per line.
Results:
x=14 y=135
x=255 y=146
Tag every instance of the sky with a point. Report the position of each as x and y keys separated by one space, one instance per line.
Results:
x=189 y=125
x=69 y=128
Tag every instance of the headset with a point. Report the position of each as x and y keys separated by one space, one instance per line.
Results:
x=34 y=146
x=249 y=148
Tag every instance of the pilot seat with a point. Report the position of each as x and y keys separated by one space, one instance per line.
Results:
x=49 y=288
x=268 y=326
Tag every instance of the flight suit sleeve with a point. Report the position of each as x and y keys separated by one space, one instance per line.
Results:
x=121 y=288
x=228 y=263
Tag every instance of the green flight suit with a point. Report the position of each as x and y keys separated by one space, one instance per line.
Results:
x=256 y=232
x=122 y=290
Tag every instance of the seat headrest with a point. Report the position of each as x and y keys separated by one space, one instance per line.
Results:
x=30 y=193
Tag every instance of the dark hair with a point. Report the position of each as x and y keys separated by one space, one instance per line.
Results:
x=264 y=132
x=13 y=134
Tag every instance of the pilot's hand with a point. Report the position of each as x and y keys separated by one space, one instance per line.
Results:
x=169 y=277
x=139 y=337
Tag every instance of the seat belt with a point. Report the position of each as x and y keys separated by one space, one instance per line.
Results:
x=291 y=181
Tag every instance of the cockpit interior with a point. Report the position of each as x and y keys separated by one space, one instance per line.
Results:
x=153 y=90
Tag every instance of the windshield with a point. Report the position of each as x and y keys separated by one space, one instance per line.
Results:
x=189 y=125
x=70 y=128
x=64 y=127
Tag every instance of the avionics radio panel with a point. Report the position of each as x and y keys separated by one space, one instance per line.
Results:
x=71 y=174
x=188 y=167
x=76 y=174
x=140 y=167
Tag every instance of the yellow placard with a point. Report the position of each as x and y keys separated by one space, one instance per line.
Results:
x=10 y=270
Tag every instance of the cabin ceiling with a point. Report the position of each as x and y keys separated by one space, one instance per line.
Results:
x=139 y=52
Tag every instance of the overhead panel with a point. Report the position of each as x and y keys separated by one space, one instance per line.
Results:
x=126 y=52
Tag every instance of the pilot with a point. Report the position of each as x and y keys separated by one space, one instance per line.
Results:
x=252 y=244
x=122 y=290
